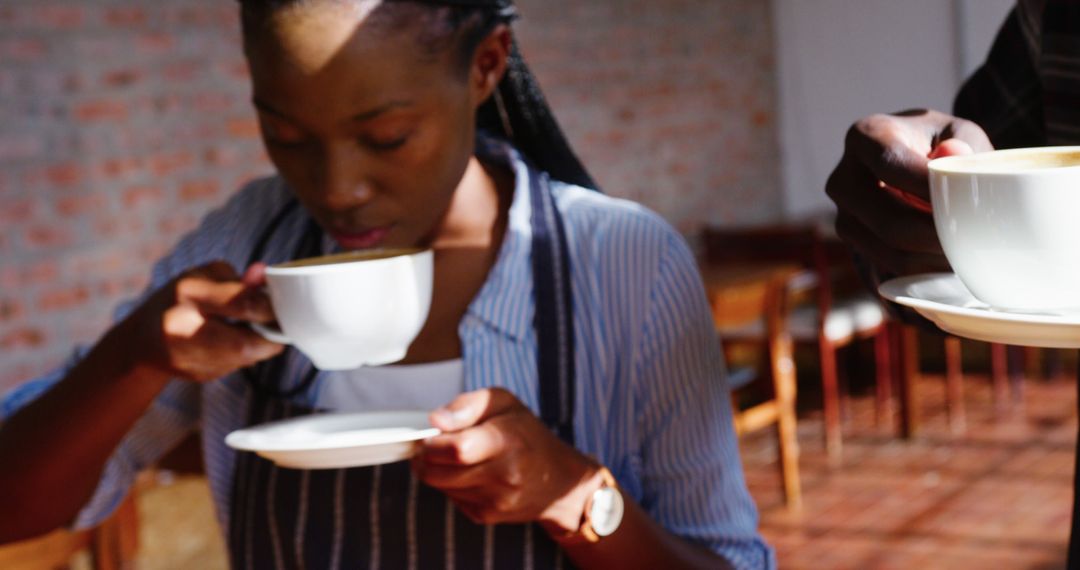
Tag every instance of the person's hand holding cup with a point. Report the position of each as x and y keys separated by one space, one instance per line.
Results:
x=881 y=186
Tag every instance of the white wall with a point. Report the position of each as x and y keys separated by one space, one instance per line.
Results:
x=839 y=60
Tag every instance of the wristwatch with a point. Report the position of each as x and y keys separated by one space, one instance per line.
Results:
x=603 y=511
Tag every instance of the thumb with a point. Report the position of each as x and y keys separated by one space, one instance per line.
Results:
x=950 y=147
x=472 y=408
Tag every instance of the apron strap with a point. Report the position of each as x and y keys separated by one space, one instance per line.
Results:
x=554 y=319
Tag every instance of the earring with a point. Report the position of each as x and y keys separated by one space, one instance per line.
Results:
x=503 y=116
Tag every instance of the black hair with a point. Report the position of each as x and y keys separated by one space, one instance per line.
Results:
x=518 y=111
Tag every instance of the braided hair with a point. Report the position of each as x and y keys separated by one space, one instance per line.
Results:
x=517 y=112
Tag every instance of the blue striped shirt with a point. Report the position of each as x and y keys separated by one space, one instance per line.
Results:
x=652 y=396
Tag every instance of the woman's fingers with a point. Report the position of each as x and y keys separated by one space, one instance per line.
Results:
x=217 y=291
x=472 y=408
x=467 y=447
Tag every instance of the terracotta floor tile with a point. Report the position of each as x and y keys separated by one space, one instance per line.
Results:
x=996 y=496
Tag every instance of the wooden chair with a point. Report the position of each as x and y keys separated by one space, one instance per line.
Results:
x=763 y=297
x=827 y=322
x=1007 y=382
x=112 y=545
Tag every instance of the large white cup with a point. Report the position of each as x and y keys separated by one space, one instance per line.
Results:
x=351 y=309
x=1009 y=222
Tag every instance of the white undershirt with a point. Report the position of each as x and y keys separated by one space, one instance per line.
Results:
x=402 y=387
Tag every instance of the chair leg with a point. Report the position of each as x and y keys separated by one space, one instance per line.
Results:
x=883 y=365
x=1053 y=364
x=907 y=341
x=999 y=374
x=784 y=390
x=1017 y=364
x=830 y=394
x=954 y=386
x=115 y=541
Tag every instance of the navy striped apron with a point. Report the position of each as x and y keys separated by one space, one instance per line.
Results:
x=382 y=516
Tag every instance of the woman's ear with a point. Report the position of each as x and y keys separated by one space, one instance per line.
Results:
x=489 y=63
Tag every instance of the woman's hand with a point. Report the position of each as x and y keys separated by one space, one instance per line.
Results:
x=499 y=463
x=881 y=186
x=190 y=327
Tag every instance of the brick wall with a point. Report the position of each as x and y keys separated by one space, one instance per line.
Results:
x=670 y=103
x=123 y=121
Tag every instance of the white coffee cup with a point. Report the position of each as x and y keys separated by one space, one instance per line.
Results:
x=351 y=309
x=1009 y=222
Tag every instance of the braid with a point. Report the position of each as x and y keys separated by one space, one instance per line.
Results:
x=533 y=128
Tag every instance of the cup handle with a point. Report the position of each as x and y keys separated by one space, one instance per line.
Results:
x=271 y=333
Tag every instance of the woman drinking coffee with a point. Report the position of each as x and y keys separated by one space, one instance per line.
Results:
x=568 y=354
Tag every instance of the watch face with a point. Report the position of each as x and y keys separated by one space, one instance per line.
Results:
x=606 y=512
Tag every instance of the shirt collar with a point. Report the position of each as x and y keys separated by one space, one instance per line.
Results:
x=505 y=302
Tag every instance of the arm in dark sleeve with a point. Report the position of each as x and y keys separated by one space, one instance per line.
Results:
x=1005 y=95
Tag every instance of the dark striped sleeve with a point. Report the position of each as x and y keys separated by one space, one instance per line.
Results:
x=1005 y=95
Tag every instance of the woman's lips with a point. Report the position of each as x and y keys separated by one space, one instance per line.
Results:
x=360 y=240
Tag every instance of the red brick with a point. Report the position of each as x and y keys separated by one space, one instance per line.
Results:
x=122 y=167
x=237 y=70
x=22 y=49
x=177 y=224
x=59 y=17
x=74 y=206
x=53 y=236
x=113 y=227
x=121 y=78
x=108 y=263
x=39 y=273
x=167 y=164
x=212 y=102
x=199 y=190
x=64 y=174
x=244 y=128
x=10 y=309
x=154 y=43
x=125 y=16
x=63 y=299
x=223 y=156
x=102 y=110
x=143 y=196
x=152 y=251
x=17 y=211
x=26 y=337
x=181 y=71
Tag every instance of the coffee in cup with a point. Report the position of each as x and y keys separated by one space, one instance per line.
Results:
x=351 y=309
x=1009 y=223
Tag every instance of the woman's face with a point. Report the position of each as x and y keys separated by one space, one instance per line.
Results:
x=371 y=130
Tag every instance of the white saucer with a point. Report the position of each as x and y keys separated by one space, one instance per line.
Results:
x=943 y=299
x=331 y=441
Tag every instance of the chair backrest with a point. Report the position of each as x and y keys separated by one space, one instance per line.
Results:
x=112 y=545
x=801 y=244
x=54 y=550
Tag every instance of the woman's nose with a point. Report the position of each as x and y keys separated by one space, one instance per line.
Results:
x=341 y=182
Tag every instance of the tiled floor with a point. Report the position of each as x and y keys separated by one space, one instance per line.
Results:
x=998 y=496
